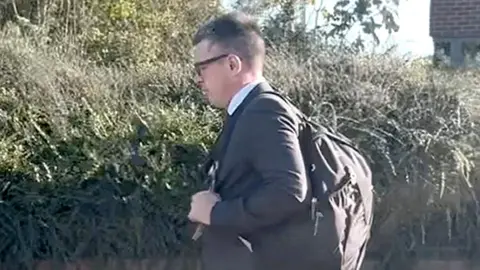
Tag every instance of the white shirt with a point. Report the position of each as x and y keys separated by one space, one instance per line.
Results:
x=238 y=98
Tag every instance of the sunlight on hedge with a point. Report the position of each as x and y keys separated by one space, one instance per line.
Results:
x=101 y=161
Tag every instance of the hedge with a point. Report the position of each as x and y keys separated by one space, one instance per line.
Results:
x=101 y=161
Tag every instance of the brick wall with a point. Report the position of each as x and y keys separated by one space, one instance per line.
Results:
x=455 y=18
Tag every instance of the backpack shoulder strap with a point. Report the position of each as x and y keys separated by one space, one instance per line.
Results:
x=306 y=120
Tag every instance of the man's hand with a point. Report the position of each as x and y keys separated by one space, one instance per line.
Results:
x=201 y=206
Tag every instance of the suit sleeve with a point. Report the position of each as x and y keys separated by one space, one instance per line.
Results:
x=274 y=152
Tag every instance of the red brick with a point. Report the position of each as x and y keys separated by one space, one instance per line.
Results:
x=455 y=18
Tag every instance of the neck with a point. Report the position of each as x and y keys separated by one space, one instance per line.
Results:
x=248 y=78
x=244 y=81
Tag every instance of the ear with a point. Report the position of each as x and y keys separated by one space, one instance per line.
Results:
x=235 y=64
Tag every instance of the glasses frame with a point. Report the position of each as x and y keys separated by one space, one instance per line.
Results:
x=199 y=65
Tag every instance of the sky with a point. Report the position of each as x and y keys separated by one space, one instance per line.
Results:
x=413 y=37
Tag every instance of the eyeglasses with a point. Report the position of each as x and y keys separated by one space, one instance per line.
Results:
x=203 y=63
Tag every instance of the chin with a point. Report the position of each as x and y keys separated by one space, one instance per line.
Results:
x=217 y=105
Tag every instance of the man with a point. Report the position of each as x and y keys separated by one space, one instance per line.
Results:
x=261 y=182
x=260 y=193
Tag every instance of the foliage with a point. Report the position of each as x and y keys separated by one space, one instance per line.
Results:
x=284 y=21
x=100 y=160
x=68 y=174
x=119 y=32
x=72 y=185
x=132 y=32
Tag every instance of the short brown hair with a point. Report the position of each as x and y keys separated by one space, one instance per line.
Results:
x=237 y=32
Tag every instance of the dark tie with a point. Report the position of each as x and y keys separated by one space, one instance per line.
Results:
x=227 y=121
x=226 y=132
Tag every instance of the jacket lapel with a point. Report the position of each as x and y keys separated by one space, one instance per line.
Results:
x=213 y=154
x=221 y=147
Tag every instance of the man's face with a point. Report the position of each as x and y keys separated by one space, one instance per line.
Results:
x=213 y=73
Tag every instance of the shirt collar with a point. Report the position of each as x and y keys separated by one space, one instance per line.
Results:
x=238 y=98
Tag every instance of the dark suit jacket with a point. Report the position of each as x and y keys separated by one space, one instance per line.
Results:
x=263 y=185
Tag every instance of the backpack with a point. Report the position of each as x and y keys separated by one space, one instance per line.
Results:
x=340 y=182
x=340 y=188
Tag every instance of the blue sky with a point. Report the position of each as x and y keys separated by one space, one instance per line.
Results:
x=412 y=39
